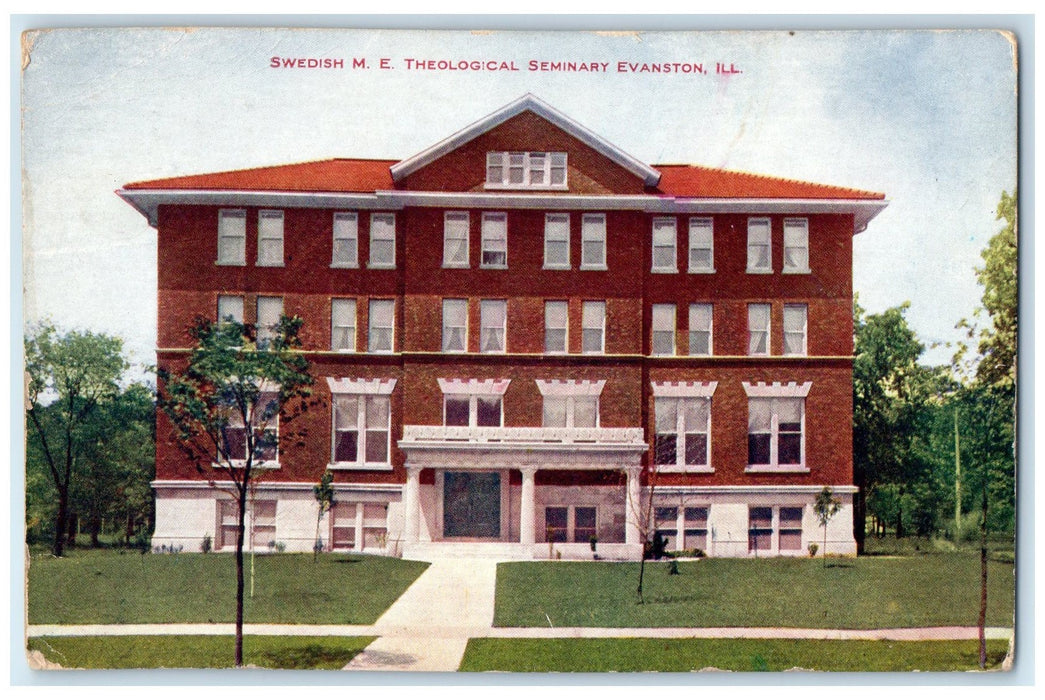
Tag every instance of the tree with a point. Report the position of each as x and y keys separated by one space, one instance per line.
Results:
x=69 y=375
x=998 y=343
x=825 y=508
x=230 y=406
x=324 y=493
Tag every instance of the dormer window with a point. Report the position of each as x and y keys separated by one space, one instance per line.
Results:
x=525 y=170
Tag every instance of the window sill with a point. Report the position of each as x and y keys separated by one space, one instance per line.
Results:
x=805 y=271
x=381 y=266
x=344 y=351
x=776 y=469
x=759 y=272
x=594 y=268
x=688 y=469
x=557 y=267
x=665 y=271
x=493 y=267
x=355 y=466
x=795 y=354
x=227 y=263
x=344 y=266
x=701 y=271
x=456 y=266
x=268 y=264
x=380 y=352
x=242 y=463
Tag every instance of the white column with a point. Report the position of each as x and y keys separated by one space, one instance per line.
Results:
x=412 y=504
x=528 y=506
x=359 y=527
x=632 y=532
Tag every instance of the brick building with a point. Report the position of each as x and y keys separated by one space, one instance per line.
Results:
x=518 y=330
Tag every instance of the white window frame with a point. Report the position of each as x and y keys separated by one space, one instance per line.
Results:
x=450 y=305
x=494 y=234
x=473 y=408
x=342 y=309
x=663 y=325
x=669 y=224
x=593 y=231
x=526 y=170
x=701 y=237
x=382 y=228
x=486 y=325
x=473 y=390
x=232 y=242
x=796 y=238
x=800 y=312
x=710 y=330
x=766 y=331
x=556 y=231
x=452 y=224
x=680 y=433
x=775 y=394
x=570 y=410
x=270 y=235
x=345 y=238
x=372 y=327
x=775 y=528
x=565 y=328
x=365 y=391
x=598 y=313
x=237 y=301
x=759 y=236
x=266 y=333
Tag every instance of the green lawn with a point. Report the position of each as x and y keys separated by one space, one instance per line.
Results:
x=594 y=655
x=864 y=593
x=114 y=586
x=187 y=651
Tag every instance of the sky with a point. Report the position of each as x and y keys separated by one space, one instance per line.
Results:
x=928 y=118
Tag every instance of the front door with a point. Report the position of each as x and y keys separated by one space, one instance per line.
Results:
x=472 y=504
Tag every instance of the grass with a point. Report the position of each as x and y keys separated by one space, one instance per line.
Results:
x=189 y=651
x=864 y=593
x=118 y=586
x=643 y=654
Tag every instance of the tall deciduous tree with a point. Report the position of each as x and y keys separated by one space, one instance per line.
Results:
x=69 y=374
x=998 y=343
x=230 y=406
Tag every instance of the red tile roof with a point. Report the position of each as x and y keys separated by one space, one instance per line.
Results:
x=698 y=181
x=358 y=175
x=335 y=175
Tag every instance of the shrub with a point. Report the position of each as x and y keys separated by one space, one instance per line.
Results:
x=813 y=549
x=205 y=546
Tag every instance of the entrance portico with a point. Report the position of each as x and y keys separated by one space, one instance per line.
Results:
x=474 y=498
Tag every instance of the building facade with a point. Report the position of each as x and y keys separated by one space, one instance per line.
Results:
x=525 y=339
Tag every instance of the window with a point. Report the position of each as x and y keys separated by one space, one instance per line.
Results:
x=593 y=242
x=230 y=308
x=557 y=241
x=795 y=316
x=346 y=240
x=570 y=523
x=665 y=522
x=232 y=237
x=555 y=327
x=263 y=523
x=263 y=417
x=775 y=432
x=343 y=324
x=593 y=327
x=796 y=245
x=494 y=240
x=362 y=428
x=700 y=329
x=343 y=526
x=790 y=529
x=664 y=237
x=455 y=239
x=556 y=523
x=571 y=411
x=455 y=325
x=584 y=523
x=382 y=240
x=701 y=245
x=759 y=257
x=663 y=335
x=492 y=319
x=270 y=238
x=683 y=427
x=758 y=329
x=380 y=337
x=760 y=529
x=472 y=410
x=270 y=309
x=695 y=532
x=525 y=170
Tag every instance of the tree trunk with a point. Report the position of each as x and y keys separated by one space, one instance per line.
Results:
x=95 y=525
x=983 y=581
x=240 y=531
x=70 y=538
x=61 y=523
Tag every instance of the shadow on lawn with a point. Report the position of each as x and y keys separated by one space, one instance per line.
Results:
x=347 y=561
